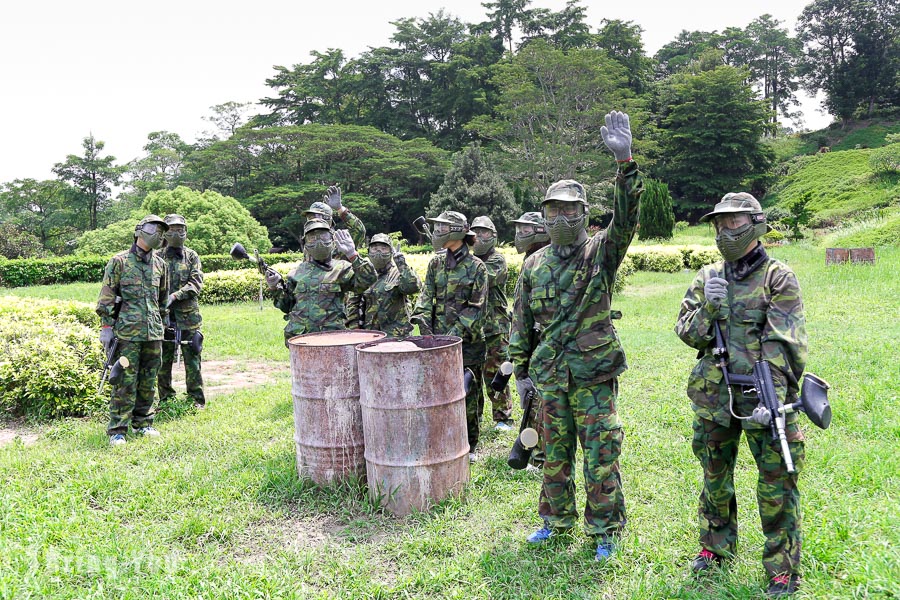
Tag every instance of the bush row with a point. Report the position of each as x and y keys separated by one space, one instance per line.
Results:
x=51 y=358
x=671 y=259
x=89 y=269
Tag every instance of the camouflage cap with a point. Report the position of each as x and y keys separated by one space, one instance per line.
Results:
x=174 y=219
x=320 y=208
x=531 y=218
x=484 y=222
x=314 y=224
x=380 y=238
x=456 y=220
x=739 y=202
x=566 y=190
x=152 y=219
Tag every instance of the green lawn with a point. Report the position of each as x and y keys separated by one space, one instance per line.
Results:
x=214 y=509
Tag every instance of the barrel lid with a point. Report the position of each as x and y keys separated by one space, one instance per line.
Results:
x=414 y=343
x=344 y=337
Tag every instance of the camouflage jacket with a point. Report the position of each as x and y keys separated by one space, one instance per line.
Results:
x=496 y=316
x=386 y=302
x=313 y=298
x=356 y=228
x=453 y=301
x=561 y=315
x=140 y=278
x=185 y=281
x=763 y=319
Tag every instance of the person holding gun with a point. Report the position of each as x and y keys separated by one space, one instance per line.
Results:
x=313 y=295
x=183 y=331
x=386 y=303
x=453 y=301
x=752 y=303
x=138 y=277
x=574 y=360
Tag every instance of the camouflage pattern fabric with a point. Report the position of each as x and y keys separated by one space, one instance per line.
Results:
x=762 y=319
x=132 y=400
x=140 y=278
x=585 y=414
x=387 y=301
x=496 y=333
x=474 y=408
x=193 y=375
x=563 y=338
x=313 y=297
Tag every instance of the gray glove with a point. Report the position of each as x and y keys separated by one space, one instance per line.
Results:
x=617 y=134
x=715 y=290
x=273 y=279
x=761 y=415
x=106 y=338
x=333 y=198
x=524 y=386
x=399 y=259
x=170 y=300
x=344 y=243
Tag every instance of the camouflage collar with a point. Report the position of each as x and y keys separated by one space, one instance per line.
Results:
x=145 y=256
x=748 y=263
x=455 y=257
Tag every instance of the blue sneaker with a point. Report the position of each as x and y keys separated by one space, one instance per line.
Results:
x=117 y=440
x=541 y=535
x=604 y=551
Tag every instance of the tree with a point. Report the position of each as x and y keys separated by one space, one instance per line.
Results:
x=41 y=209
x=657 y=216
x=622 y=41
x=564 y=29
x=774 y=59
x=711 y=126
x=475 y=188
x=505 y=16
x=215 y=223
x=15 y=242
x=92 y=174
x=686 y=48
x=161 y=167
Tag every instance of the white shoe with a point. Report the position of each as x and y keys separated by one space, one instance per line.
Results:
x=502 y=427
x=117 y=440
x=472 y=457
x=147 y=432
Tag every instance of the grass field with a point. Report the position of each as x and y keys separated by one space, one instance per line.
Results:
x=214 y=509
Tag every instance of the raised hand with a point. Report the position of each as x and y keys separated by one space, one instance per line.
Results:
x=617 y=134
x=344 y=243
x=333 y=198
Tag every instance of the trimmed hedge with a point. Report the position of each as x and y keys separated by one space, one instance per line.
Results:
x=671 y=259
x=52 y=358
x=89 y=269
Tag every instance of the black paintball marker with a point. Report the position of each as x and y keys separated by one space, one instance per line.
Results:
x=468 y=379
x=239 y=253
x=527 y=439
x=113 y=369
x=813 y=399
x=421 y=226
x=173 y=334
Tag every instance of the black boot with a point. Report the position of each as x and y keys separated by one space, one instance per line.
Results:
x=705 y=561
x=783 y=585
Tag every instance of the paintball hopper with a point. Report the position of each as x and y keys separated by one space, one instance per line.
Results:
x=468 y=379
x=520 y=453
x=421 y=226
x=501 y=378
x=238 y=252
x=813 y=401
x=118 y=371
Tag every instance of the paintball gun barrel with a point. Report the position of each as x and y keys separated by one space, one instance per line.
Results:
x=238 y=252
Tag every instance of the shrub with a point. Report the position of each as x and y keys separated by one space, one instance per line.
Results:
x=51 y=358
x=657 y=215
x=665 y=259
x=885 y=160
x=682 y=225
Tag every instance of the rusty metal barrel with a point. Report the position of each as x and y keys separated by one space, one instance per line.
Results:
x=414 y=420
x=327 y=419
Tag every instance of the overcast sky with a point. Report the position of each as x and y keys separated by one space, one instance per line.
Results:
x=121 y=70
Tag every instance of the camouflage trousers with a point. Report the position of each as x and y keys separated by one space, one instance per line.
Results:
x=501 y=403
x=585 y=414
x=132 y=400
x=777 y=495
x=474 y=407
x=535 y=420
x=193 y=377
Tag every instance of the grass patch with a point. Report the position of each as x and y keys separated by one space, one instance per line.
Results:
x=214 y=508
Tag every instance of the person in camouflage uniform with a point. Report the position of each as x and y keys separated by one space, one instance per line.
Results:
x=331 y=203
x=531 y=236
x=496 y=318
x=564 y=346
x=185 y=283
x=453 y=301
x=139 y=278
x=756 y=300
x=386 y=304
x=313 y=296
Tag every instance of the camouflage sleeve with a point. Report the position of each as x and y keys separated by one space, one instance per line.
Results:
x=696 y=317
x=409 y=282
x=363 y=276
x=194 y=284
x=469 y=320
x=355 y=227
x=783 y=337
x=497 y=272
x=626 y=208
x=106 y=304
x=520 y=338
x=163 y=290
x=422 y=312
x=284 y=295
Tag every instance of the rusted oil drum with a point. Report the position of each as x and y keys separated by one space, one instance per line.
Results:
x=414 y=420
x=836 y=256
x=327 y=419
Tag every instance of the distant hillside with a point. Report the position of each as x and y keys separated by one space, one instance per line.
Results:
x=865 y=134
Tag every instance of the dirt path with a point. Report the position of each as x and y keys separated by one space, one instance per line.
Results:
x=219 y=377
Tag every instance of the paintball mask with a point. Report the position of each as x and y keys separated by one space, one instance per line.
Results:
x=530 y=230
x=565 y=211
x=380 y=254
x=739 y=221
x=177 y=232
x=447 y=227
x=150 y=231
x=485 y=236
